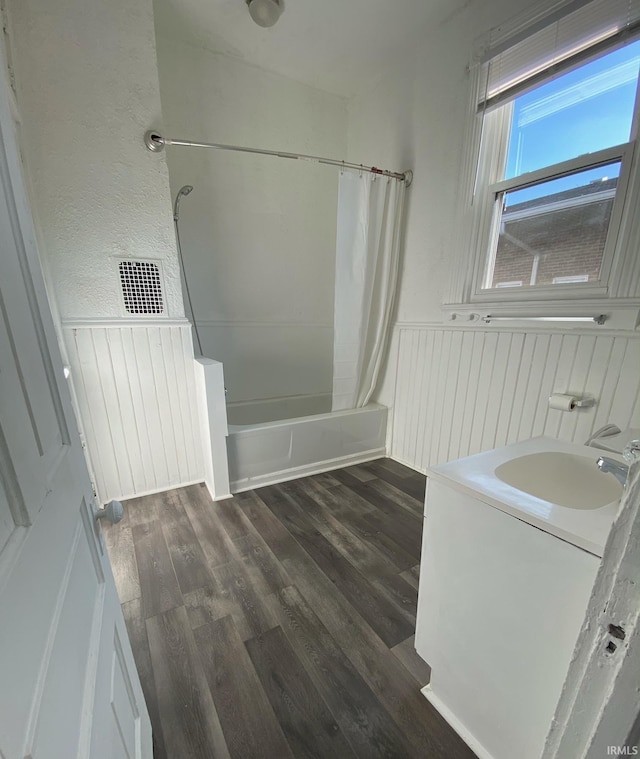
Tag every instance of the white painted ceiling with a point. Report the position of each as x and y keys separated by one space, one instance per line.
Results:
x=336 y=45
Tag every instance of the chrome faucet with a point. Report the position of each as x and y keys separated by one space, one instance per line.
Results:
x=618 y=470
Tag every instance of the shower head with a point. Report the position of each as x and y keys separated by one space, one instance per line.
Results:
x=176 y=206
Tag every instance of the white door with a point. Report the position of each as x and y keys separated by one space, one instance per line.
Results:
x=68 y=684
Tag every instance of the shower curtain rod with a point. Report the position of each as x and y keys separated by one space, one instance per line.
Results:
x=156 y=143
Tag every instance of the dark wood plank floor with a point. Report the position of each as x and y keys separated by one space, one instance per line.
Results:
x=279 y=623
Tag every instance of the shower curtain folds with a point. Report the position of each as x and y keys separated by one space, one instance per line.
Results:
x=367 y=260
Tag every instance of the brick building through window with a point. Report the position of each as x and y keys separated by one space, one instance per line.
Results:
x=555 y=239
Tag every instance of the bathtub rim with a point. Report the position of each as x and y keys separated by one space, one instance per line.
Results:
x=300 y=401
x=240 y=428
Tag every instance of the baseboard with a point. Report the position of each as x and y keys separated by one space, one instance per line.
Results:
x=215 y=497
x=153 y=491
x=444 y=711
x=319 y=467
x=408 y=464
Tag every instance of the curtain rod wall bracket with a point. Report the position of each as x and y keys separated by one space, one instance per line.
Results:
x=154 y=141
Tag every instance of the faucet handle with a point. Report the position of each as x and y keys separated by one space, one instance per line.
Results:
x=631 y=451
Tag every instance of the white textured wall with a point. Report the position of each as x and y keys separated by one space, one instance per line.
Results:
x=450 y=387
x=88 y=89
x=258 y=233
x=413 y=116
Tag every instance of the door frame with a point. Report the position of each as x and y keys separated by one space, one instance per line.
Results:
x=60 y=514
x=598 y=714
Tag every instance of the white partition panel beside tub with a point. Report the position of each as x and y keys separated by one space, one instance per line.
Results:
x=268 y=452
x=213 y=425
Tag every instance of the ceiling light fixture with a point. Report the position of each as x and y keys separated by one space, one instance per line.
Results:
x=265 y=12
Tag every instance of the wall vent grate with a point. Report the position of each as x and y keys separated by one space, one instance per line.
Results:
x=141 y=287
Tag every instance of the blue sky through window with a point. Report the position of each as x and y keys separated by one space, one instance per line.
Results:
x=580 y=112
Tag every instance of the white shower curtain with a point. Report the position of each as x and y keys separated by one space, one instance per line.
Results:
x=367 y=258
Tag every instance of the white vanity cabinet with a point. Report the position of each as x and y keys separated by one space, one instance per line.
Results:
x=500 y=606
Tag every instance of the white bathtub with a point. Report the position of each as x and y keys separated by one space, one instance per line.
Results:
x=265 y=452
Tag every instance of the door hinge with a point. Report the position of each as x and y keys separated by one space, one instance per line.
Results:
x=617 y=632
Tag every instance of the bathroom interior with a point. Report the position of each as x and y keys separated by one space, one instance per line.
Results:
x=357 y=371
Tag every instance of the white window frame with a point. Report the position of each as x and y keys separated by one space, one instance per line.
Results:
x=481 y=178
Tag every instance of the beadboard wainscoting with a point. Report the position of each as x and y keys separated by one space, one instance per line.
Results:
x=135 y=389
x=461 y=391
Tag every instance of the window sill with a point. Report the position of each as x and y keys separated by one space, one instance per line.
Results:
x=550 y=294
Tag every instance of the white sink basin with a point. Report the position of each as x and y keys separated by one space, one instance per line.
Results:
x=565 y=479
x=550 y=484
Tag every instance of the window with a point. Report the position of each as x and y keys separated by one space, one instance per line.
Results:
x=554 y=204
x=554 y=175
